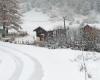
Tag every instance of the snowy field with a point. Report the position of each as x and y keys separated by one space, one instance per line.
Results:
x=22 y=62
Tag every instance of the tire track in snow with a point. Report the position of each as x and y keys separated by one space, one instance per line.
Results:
x=18 y=62
x=35 y=75
x=6 y=61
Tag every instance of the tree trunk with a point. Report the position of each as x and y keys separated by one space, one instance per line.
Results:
x=4 y=30
x=7 y=31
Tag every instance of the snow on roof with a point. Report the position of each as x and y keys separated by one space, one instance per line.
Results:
x=12 y=31
x=97 y=26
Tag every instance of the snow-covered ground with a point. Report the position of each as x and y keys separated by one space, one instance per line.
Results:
x=22 y=62
x=17 y=65
x=25 y=40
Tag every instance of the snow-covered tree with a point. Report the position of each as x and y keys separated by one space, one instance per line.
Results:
x=83 y=7
x=9 y=15
x=88 y=38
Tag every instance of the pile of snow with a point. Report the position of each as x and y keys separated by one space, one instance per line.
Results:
x=12 y=31
x=34 y=63
x=27 y=40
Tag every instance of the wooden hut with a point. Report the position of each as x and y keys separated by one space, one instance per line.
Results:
x=40 y=34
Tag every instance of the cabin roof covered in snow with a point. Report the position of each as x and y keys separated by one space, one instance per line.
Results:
x=96 y=26
x=39 y=28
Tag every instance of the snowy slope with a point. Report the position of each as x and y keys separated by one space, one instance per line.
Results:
x=43 y=64
x=34 y=19
x=19 y=67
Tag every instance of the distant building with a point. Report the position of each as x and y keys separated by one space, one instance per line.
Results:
x=89 y=36
x=87 y=28
x=90 y=32
x=40 y=34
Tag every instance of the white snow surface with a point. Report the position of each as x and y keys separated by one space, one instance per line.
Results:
x=27 y=38
x=23 y=62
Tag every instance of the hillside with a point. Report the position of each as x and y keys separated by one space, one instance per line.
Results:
x=34 y=19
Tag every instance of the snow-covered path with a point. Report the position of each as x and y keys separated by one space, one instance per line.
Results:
x=7 y=65
x=23 y=62
x=18 y=64
x=25 y=66
x=55 y=66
